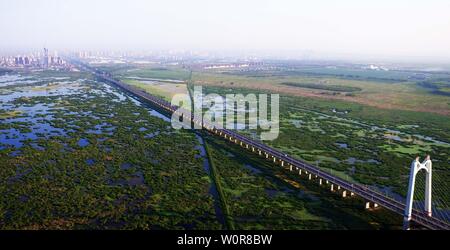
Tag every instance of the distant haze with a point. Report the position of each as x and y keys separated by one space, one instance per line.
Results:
x=346 y=28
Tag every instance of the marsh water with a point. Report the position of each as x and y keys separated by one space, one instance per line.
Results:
x=38 y=115
x=213 y=188
x=35 y=120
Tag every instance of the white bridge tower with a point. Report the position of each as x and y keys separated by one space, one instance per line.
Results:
x=416 y=166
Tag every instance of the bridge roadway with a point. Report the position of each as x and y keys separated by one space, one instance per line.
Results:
x=419 y=217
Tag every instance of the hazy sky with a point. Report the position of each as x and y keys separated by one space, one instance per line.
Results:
x=384 y=28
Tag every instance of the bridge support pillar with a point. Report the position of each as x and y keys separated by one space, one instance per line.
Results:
x=371 y=205
x=406 y=223
x=352 y=194
x=320 y=181
x=274 y=159
x=309 y=177
x=332 y=188
x=300 y=171
x=326 y=181
x=338 y=187
x=344 y=194
x=416 y=166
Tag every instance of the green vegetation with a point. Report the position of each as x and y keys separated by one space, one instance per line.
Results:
x=364 y=144
x=323 y=87
x=357 y=142
x=124 y=71
x=438 y=87
x=79 y=154
x=386 y=91
x=104 y=162
x=218 y=184
x=338 y=72
x=9 y=114
x=161 y=89
x=263 y=196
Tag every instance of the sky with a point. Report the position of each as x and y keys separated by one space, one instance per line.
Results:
x=346 y=28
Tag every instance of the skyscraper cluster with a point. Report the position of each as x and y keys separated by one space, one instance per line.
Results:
x=43 y=60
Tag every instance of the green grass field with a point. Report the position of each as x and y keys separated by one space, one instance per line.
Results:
x=374 y=92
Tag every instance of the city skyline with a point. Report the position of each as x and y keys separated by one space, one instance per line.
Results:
x=406 y=30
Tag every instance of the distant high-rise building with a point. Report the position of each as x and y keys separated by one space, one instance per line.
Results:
x=45 y=61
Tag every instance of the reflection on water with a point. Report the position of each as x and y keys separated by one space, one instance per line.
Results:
x=253 y=169
x=213 y=189
x=32 y=121
x=56 y=89
x=353 y=160
x=362 y=125
x=342 y=145
x=83 y=142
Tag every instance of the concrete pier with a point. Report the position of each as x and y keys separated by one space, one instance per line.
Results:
x=344 y=194
x=406 y=223
x=332 y=188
